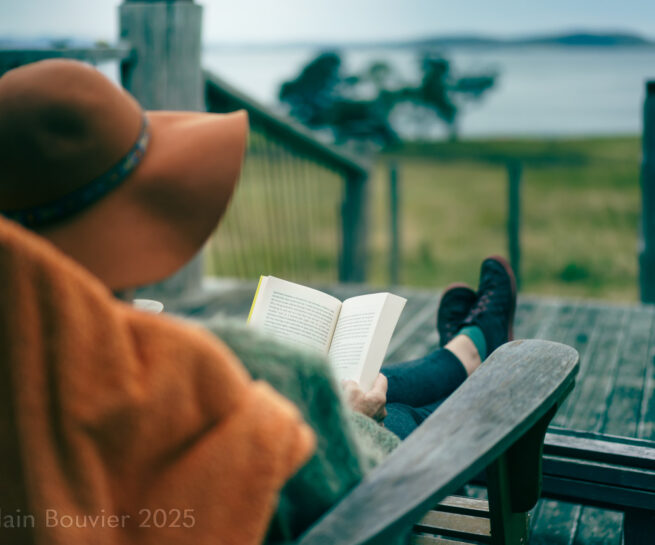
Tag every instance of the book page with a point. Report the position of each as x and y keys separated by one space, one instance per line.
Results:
x=362 y=336
x=295 y=314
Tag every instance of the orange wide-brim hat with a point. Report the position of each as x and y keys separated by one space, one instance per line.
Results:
x=131 y=195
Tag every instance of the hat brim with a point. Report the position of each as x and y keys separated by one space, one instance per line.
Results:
x=162 y=214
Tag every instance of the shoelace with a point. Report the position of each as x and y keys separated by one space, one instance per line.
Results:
x=482 y=303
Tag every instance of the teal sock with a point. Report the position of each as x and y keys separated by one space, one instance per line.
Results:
x=474 y=333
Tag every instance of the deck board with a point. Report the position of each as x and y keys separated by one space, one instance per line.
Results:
x=624 y=403
x=588 y=401
x=598 y=526
x=556 y=523
x=418 y=337
x=615 y=390
x=534 y=318
x=580 y=331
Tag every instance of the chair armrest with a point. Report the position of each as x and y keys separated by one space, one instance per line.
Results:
x=510 y=392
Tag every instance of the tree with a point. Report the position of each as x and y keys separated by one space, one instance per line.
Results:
x=443 y=92
x=321 y=96
x=359 y=106
x=312 y=95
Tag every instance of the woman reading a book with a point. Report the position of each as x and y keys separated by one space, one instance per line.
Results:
x=131 y=196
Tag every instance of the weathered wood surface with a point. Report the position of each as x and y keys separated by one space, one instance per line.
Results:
x=607 y=472
x=514 y=175
x=469 y=431
x=164 y=73
x=395 y=250
x=354 y=227
x=448 y=524
x=454 y=518
x=604 y=471
x=647 y=224
x=620 y=400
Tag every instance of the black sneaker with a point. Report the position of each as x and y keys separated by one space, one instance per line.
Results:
x=454 y=306
x=493 y=311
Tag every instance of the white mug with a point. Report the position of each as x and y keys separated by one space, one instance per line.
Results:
x=148 y=305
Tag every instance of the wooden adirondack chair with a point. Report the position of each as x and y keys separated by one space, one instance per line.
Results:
x=496 y=420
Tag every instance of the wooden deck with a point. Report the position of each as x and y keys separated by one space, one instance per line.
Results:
x=615 y=392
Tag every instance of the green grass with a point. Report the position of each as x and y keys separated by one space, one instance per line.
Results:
x=580 y=202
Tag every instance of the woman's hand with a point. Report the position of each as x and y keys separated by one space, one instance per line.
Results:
x=371 y=403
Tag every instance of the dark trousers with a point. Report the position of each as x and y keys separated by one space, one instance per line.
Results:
x=418 y=387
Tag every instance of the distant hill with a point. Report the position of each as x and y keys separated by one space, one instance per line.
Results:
x=583 y=38
x=568 y=39
x=611 y=39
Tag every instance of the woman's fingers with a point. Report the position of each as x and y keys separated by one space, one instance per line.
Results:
x=380 y=385
x=371 y=403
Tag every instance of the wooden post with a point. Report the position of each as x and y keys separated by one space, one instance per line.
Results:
x=514 y=173
x=514 y=483
x=394 y=212
x=638 y=527
x=354 y=215
x=647 y=222
x=164 y=73
x=508 y=527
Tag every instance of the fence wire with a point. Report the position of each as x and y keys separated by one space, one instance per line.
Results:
x=284 y=219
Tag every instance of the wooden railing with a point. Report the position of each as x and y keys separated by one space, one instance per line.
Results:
x=300 y=208
x=514 y=169
x=647 y=223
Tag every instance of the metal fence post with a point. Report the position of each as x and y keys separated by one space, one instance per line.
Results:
x=647 y=222
x=164 y=73
x=514 y=174
x=394 y=223
x=354 y=229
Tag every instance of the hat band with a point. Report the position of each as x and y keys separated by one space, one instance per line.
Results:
x=79 y=199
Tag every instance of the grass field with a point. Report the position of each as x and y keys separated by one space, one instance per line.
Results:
x=580 y=209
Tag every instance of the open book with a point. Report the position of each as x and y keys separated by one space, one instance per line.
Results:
x=354 y=334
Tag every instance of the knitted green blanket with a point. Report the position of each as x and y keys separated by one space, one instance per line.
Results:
x=349 y=444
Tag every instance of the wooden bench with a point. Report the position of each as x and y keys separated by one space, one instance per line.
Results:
x=496 y=420
x=605 y=471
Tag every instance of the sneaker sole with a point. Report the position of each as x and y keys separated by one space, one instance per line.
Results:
x=512 y=278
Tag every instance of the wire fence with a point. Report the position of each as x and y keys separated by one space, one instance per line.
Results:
x=284 y=218
x=299 y=211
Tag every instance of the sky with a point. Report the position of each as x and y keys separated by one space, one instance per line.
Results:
x=266 y=21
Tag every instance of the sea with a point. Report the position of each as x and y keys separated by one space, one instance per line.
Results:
x=552 y=91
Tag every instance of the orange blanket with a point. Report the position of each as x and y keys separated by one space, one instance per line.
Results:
x=119 y=427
